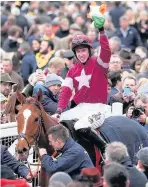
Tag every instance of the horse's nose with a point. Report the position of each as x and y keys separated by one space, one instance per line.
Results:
x=20 y=151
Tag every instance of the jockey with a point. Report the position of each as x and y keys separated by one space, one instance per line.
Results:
x=88 y=76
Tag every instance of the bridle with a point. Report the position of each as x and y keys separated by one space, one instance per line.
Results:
x=35 y=139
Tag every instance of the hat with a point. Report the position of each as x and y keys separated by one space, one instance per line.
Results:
x=126 y=55
x=2 y=98
x=52 y=79
x=93 y=175
x=67 y=54
x=61 y=177
x=6 y=78
x=143 y=155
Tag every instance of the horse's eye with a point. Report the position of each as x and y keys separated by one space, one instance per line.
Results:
x=36 y=119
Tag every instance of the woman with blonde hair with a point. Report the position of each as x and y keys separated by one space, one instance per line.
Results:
x=143 y=70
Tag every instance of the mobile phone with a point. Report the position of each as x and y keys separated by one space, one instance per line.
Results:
x=127 y=91
x=39 y=71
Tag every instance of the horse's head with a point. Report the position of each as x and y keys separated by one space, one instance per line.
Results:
x=28 y=124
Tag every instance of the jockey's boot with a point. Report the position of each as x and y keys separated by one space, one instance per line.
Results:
x=93 y=137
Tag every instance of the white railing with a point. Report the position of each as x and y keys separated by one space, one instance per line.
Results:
x=8 y=132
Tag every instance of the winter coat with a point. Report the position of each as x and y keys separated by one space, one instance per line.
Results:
x=72 y=160
x=10 y=161
x=28 y=66
x=127 y=131
x=132 y=40
x=49 y=101
x=136 y=177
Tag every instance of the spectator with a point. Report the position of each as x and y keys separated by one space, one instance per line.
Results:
x=11 y=44
x=128 y=98
x=143 y=27
x=8 y=68
x=56 y=66
x=142 y=52
x=33 y=34
x=140 y=116
x=4 y=29
x=28 y=64
x=117 y=152
x=116 y=89
x=92 y=34
x=116 y=12
x=68 y=56
x=136 y=65
x=128 y=35
x=16 y=166
x=93 y=176
x=62 y=177
x=64 y=28
x=50 y=96
x=127 y=58
x=74 y=28
x=109 y=27
x=6 y=84
x=115 y=44
x=115 y=63
x=35 y=46
x=115 y=175
x=46 y=52
x=3 y=117
x=1 y=68
x=143 y=70
x=144 y=99
x=143 y=160
x=80 y=20
x=21 y=21
x=73 y=158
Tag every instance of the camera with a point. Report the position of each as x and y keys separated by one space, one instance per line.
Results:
x=137 y=112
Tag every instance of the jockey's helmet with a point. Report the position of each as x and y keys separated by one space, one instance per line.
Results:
x=79 y=40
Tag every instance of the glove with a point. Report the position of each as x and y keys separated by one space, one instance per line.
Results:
x=98 y=22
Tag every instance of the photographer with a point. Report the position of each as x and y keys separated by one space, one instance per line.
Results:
x=139 y=111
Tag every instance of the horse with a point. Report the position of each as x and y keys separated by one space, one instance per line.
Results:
x=32 y=126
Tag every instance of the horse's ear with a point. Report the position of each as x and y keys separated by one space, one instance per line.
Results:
x=39 y=95
x=20 y=97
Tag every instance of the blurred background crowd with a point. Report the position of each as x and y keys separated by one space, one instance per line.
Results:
x=36 y=52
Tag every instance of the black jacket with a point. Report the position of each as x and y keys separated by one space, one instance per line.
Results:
x=28 y=66
x=49 y=102
x=137 y=178
x=10 y=161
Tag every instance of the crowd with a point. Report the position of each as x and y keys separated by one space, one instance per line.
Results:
x=54 y=47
